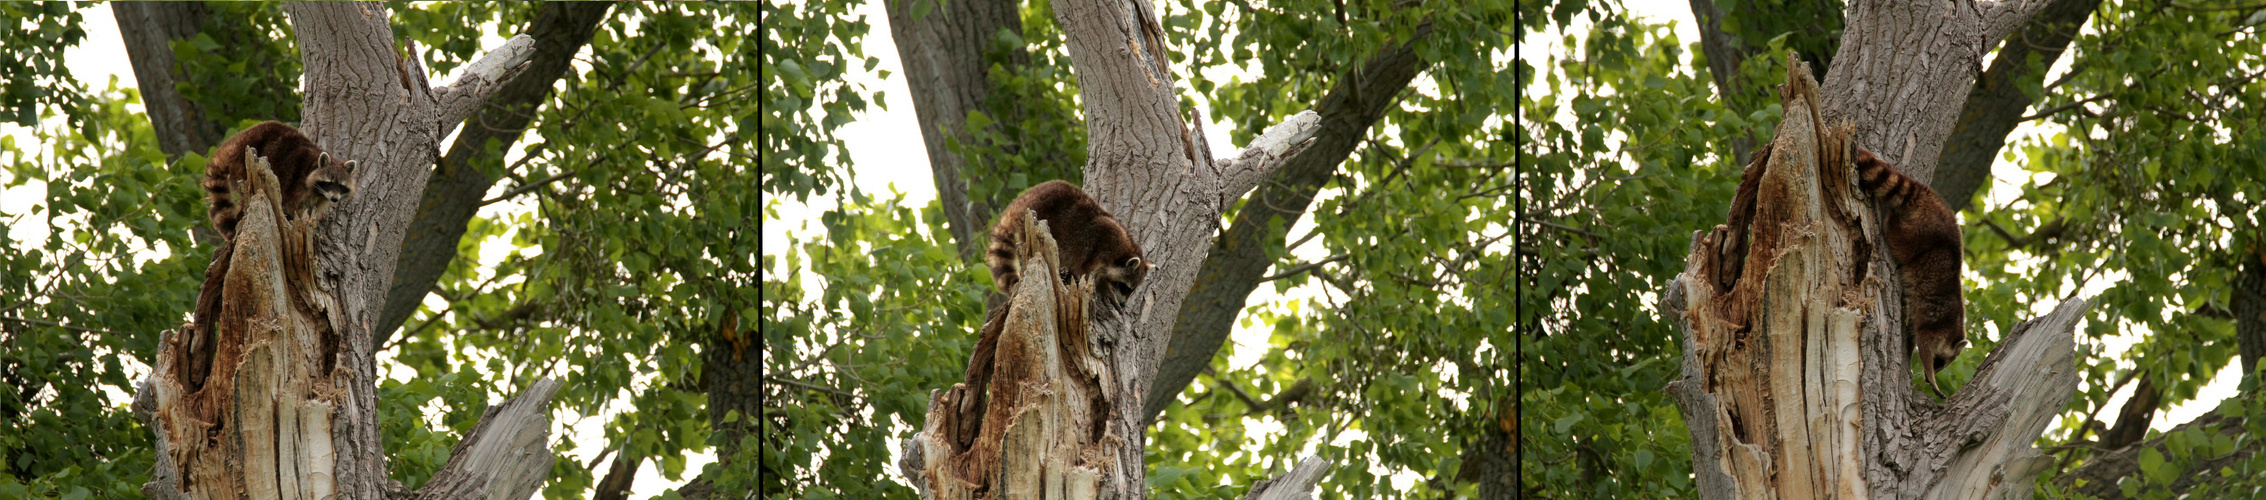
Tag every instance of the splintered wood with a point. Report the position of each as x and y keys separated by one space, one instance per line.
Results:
x=1777 y=336
x=1043 y=431
x=260 y=425
x=1795 y=382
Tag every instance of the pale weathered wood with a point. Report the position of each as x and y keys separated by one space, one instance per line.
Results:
x=1298 y=484
x=1037 y=439
x=1795 y=380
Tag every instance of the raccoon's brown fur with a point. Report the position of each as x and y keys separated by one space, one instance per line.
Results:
x=1923 y=237
x=300 y=166
x=1089 y=241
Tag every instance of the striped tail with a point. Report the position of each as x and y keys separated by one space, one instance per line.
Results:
x=1002 y=261
x=224 y=212
x=1881 y=180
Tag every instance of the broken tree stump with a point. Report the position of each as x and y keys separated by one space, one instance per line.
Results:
x=1795 y=380
x=1042 y=433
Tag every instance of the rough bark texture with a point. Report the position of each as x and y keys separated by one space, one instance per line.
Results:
x=943 y=54
x=260 y=425
x=1150 y=167
x=1153 y=169
x=290 y=407
x=1796 y=383
x=1237 y=260
x=453 y=193
x=1904 y=70
x=1997 y=102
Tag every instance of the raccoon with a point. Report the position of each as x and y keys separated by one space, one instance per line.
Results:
x=1923 y=237
x=311 y=179
x=1091 y=243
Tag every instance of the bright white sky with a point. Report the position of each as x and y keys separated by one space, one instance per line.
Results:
x=102 y=56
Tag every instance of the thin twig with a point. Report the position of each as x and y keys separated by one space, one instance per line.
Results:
x=524 y=188
x=1303 y=268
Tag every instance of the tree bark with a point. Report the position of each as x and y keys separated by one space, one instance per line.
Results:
x=1795 y=380
x=457 y=186
x=1150 y=167
x=290 y=406
x=1905 y=68
x=1237 y=261
x=1997 y=102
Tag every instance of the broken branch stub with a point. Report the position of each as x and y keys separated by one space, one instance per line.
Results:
x=1795 y=381
x=1042 y=433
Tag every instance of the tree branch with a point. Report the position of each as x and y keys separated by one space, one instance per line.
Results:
x=1995 y=105
x=480 y=80
x=1238 y=259
x=459 y=182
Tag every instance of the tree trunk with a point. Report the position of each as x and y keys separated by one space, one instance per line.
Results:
x=1904 y=70
x=289 y=407
x=1795 y=380
x=1077 y=422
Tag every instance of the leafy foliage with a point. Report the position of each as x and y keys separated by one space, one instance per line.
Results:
x=1629 y=155
x=806 y=48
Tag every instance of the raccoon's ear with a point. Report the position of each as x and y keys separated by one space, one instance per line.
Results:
x=322 y=159
x=349 y=166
